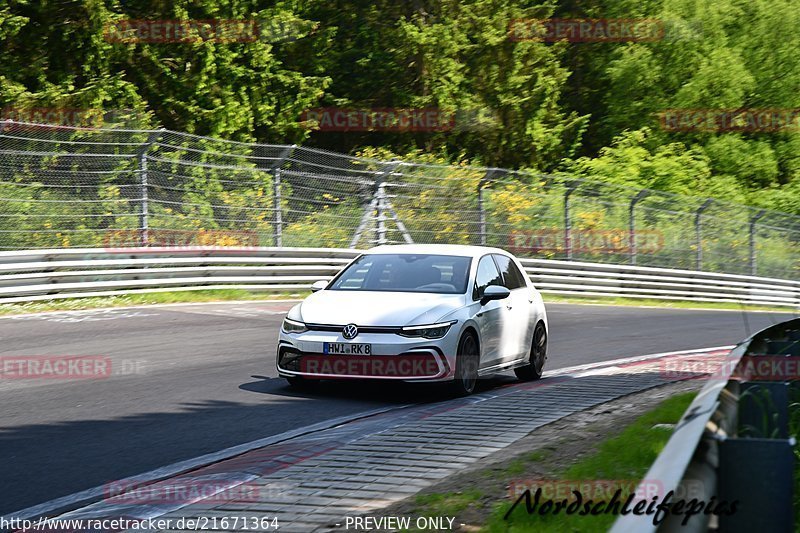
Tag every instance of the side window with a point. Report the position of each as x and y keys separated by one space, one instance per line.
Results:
x=512 y=277
x=487 y=275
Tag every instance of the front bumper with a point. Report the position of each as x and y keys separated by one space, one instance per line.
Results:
x=393 y=357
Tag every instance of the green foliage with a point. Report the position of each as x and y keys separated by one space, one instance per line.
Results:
x=715 y=55
x=587 y=108
x=58 y=54
x=636 y=161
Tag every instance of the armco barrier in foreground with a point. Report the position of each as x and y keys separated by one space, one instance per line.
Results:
x=66 y=273
x=734 y=443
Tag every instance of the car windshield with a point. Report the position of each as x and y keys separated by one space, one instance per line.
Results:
x=439 y=274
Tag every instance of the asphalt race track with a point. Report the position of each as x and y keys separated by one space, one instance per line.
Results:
x=194 y=379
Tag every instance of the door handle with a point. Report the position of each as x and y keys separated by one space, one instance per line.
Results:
x=508 y=307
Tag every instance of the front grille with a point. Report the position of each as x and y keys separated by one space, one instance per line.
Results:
x=361 y=329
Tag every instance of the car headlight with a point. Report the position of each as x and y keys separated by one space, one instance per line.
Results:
x=429 y=331
x=293 y=326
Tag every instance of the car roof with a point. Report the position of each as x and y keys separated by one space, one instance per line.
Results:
x=443 y=249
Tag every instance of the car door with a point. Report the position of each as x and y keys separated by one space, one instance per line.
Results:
x=490 y=317
x=518 y=329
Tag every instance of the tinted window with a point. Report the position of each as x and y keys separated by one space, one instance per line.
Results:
x=441 y=274
x=487 y=275
x=512 y=277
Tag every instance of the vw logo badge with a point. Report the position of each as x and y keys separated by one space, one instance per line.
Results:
x=350 y=331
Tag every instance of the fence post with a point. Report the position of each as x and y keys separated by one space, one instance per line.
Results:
x=381 y=212
x=378 y=202
x=632 y=219
x=381 y=203
x=753 y=220
x=277 y=214
x=699 y=232
x=485 y=180
x=277 y=200
x=144 y=213
x=571 y=187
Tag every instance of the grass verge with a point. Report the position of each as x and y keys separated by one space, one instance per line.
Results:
x=219 y=295
x=148 y=298
x=670 y=304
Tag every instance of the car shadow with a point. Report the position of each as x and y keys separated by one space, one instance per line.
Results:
x=393 y=392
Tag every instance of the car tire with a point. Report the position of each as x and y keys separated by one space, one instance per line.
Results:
x=536 y=357
x=467 y=359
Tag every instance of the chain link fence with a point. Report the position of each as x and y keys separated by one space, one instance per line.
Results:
x=106 y=187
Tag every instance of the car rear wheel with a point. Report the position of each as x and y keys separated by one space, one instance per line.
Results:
x=537 y=356
x=467 y=359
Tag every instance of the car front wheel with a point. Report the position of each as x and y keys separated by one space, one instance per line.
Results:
x=537 y=356
x=467 y=359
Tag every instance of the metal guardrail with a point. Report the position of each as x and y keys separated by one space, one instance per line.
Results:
x=30 y=275
x=69 y=273
x=572 y=278
x=733 y=443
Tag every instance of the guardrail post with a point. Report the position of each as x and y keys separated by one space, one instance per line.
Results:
x=632 y=219
x=756 y=217
x=699 y=233
x=485 y=180
x=277 y=201
x=571 y=187
x=144 y=212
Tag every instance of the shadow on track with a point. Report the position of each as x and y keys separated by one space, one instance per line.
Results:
x=389 y=392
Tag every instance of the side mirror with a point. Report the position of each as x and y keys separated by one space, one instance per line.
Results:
x=319 y=285
x=494 y=292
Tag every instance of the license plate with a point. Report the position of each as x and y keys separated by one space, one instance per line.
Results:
x=345 y=348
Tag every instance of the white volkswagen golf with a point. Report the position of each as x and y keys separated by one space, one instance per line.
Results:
x=418 y=313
